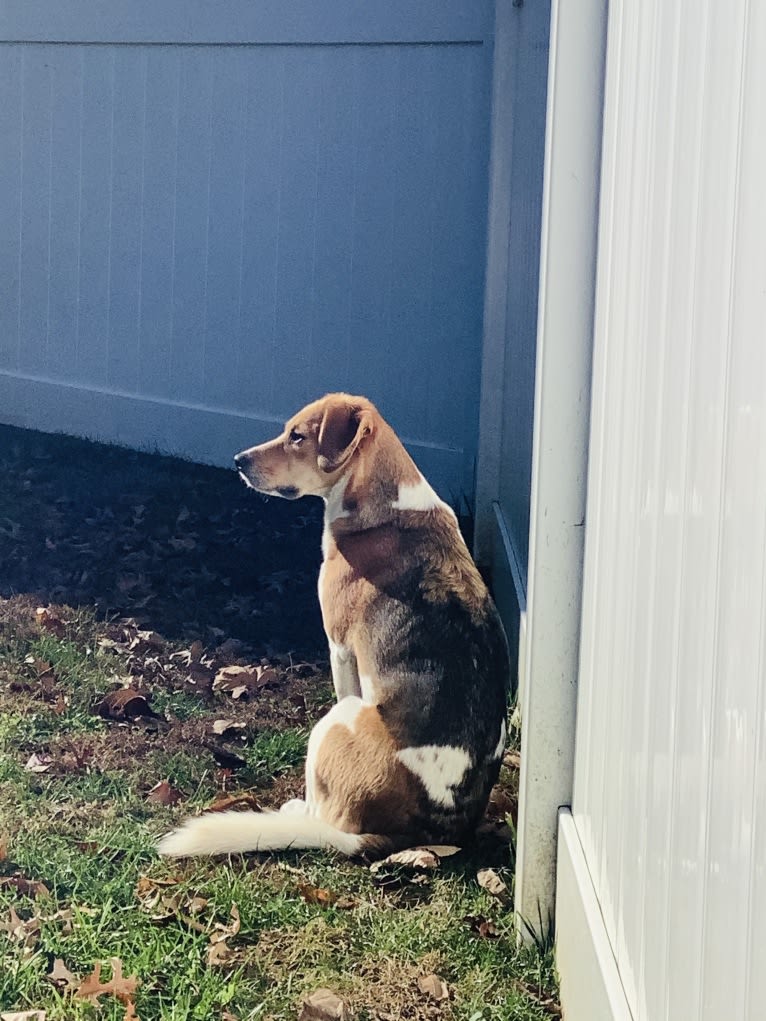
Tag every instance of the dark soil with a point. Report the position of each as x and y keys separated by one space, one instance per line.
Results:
x=150 y=537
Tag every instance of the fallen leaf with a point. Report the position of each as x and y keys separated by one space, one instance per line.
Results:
x=241 y=680
x=413 y=858
x=434 y=987
x=61 y=976
x=24 y=1015
x=490 y=881
x=219 y=954
x=317 y=895
x=441 y=850
x=50 y=622
x=130 y=1012
x=92 y=987
x=549 y=1004
x=163 y=794
x=222 y=726
x=324 y=1005
x=235 y=802
x=38 y=763
x=483 y=927
x=26 y=887
x=512 y=760
x=124 y=704
x=223 y=932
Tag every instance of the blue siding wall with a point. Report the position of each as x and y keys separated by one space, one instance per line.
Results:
x=206 y=221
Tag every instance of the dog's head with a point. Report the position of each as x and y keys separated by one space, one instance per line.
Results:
x=316 y=448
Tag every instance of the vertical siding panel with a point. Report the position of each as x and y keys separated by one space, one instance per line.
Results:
x=260 y=242
x=670 y=442
x=11 y=164
x=157 y=214
x=190 y=231
x=95 y=214
x=65 y=213
x=298 y=184
x=334 y=222
x=742 y=519
x=620 y=516
x=368 y=351
x=413 y=147
x=590 y=763
x=127 y=159
x=750 y=301
x=35 y=209
x=224 y=228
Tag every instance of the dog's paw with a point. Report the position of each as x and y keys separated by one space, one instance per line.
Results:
x=296 y=806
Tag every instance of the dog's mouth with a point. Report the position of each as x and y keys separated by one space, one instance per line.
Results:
x=286 y=492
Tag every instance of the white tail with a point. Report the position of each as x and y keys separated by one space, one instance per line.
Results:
x=232 y=832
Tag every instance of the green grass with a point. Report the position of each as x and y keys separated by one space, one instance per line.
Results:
x=86 y=829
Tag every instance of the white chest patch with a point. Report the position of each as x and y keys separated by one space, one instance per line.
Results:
x=440 y=768
x=417 y=496
x=333 y=509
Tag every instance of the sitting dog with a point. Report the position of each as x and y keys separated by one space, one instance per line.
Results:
x=419 y=659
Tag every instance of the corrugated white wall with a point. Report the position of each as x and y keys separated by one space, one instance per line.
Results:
x=670 y=782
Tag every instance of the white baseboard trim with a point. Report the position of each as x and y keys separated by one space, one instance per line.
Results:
x=591 y=989
x=211 y=435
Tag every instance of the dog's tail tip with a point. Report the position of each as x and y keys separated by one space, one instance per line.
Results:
x=237 y=832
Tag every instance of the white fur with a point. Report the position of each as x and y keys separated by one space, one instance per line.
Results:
x=417 y=496
x=333 y=509
x=368 y=690
x=345 y=676
x=234 y=832
x=345 y=714
x=498 y=752
x=440 y=768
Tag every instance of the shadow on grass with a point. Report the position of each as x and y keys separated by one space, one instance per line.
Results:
x=186 y=549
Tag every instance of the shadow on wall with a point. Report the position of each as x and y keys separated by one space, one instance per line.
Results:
x=185 y=549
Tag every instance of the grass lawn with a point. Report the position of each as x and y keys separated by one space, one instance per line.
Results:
x=161 y=651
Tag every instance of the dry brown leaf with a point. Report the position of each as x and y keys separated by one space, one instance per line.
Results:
x=434 y=987
x=130 y=1012
x=324 y=1005
x=512 y=760
x=223 y=932
x=241 y=680
x=24 y=1015
x=413 y=858
x=549 y=1004
x=61 y=976
x=222 y=726
x=163 y=794
x=317 y=895
x=124 y=704
x=483 y=927
x=48 y=620
x=219 y=954
x=38 y=763
x=122 y=988
x=440 y=850
x=3 y=848
x=489 y=880
x=235 y=802
x=26 y=887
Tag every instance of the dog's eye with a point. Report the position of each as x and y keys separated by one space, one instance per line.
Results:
x=296 y=438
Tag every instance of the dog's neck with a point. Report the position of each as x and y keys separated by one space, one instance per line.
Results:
x=381 y=487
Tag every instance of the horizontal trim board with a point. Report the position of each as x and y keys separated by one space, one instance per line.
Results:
x=211 y=435
x=246 y=21
x=591 y=989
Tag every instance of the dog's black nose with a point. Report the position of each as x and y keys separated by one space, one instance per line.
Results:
x=239 y=460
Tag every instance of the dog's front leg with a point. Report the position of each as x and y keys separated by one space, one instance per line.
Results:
x=345 y=675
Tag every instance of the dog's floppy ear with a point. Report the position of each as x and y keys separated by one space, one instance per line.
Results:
x=343 y=427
